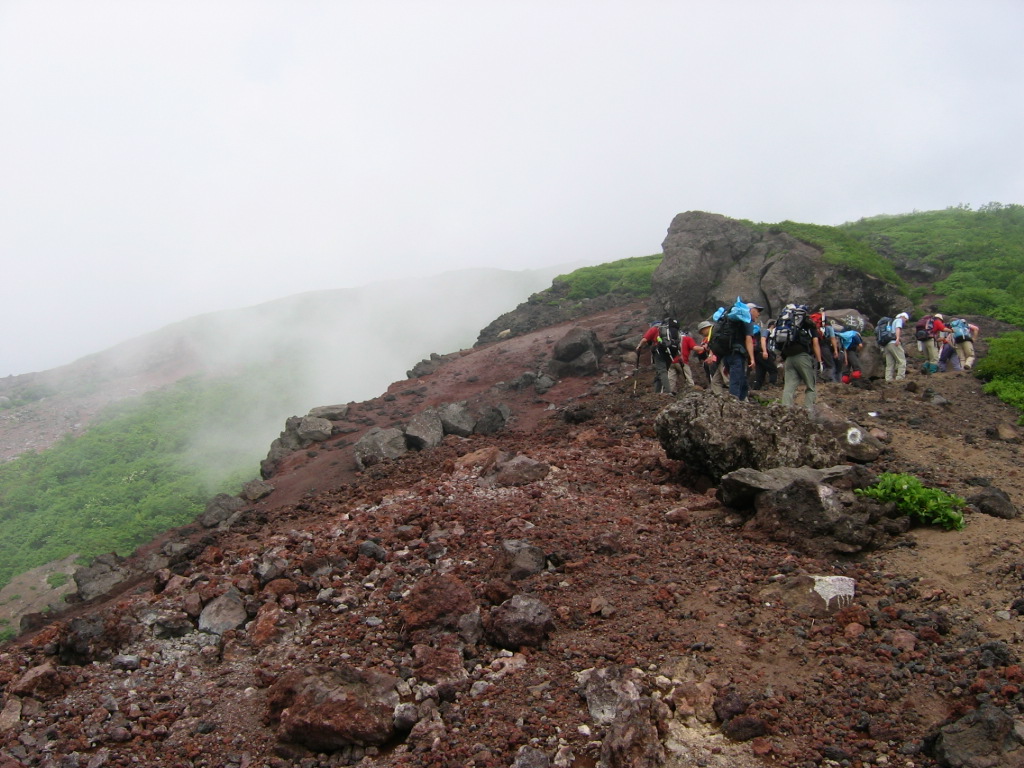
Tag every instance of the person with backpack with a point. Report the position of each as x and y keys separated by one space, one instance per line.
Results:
x=852 y=343
x=798 y=341
x=926 y=332
x=663 y=339
x=830 y=354
x=889 y=332
x=765 y=357
x=707 y=358
x=680 y=367
x=948 y=359
x=732 y=340
x=964 y=336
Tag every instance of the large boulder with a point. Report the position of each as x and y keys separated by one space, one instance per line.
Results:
x=711 y=259
x=577 y=353
x=718 y=435
x=379 y=444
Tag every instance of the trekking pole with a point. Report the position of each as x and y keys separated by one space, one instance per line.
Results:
x=636 y=371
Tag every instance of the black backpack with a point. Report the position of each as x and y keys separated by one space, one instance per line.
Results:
x=791 y=329
x=722 y=335
x=884 y=333
x=668 y=339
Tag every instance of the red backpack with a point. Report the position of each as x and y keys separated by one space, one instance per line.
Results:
x=925 y=328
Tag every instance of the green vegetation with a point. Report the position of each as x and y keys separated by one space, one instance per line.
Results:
x=57 y=580
x=839 y=247
x=136 y=473
x=979 y=255
x=1003 y=369
x=631 y=277
x=926 y=505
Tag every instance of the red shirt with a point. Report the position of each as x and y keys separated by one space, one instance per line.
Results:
x=686 y=345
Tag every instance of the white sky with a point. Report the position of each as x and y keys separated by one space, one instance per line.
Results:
x=161 y=159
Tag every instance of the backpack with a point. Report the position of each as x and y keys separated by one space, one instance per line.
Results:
x=790 y=330
x=723 y=334
x=884 y=332
x=668 y=339
x=961 y=330
x=850 y=339
x=925 y=328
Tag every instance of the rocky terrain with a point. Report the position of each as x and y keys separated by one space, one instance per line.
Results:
x=550 y=591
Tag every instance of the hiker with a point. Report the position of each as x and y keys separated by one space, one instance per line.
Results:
x=964 y=336
x=948 y=358
x=892 y=349
x=926 y=332
x=707 y=358
x=852 y=343
x=799 y=347
x=735 y=363
x=767 y=367
x=663 y=339
x=830 y=355
x=680 y=366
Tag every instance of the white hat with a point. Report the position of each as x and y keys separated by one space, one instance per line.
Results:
x=904 y=315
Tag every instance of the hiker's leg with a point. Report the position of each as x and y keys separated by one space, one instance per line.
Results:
x=790 y=378
x=889 y=353
x=901 y=361
x=805 y=367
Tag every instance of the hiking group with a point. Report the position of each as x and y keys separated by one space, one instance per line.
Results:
x=738 y=354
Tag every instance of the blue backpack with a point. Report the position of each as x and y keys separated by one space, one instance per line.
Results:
x=961 y=330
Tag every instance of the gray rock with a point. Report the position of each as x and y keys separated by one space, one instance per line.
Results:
x=577 y=353
x=986 y=736
x=521 y=620
x=223 y=613
x=329 y=412
x=311 y=429
x=456 y=419
x=607 y=690
x=98 y=578
x=710 y=260
x=492 y=419
x=995 y=502
x=378 y=444
x=520 y=470
x=530 y=757
x=254 y=490
x=522 y=559
x=220 y=508
x=424 y=431
x=718 y=435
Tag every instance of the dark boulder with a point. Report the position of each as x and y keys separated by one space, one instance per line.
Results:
x=711 y=259
x=578 y=353
x=718 y=435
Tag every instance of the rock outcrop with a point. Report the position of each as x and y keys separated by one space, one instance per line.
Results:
x=711 y=259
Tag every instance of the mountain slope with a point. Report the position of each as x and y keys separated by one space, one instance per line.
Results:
x=648 y=579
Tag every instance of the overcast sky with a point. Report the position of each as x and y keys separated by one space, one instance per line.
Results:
x=160 y=160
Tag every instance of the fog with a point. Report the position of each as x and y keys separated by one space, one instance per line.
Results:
x=161 y=160
x=288 y=356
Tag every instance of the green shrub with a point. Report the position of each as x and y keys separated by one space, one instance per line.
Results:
x=926 y=505
x=1003 y=370
x=979 y=254
x=57 y=580
x=631 y=277
x=840 y=248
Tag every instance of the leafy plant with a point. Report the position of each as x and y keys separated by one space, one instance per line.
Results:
x=926 y=505
x=57 y=580
x=630 y=276
x=841 y=248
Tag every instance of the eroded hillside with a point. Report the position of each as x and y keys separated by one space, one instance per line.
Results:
x=555 y=593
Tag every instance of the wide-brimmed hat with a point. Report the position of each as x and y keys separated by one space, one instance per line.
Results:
x=704 y=324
